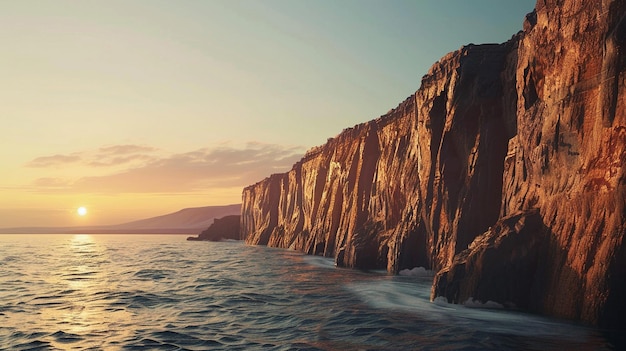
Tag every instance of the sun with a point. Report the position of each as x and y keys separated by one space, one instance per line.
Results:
x=81 y=211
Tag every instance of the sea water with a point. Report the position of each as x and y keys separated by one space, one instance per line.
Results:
x=160 y=292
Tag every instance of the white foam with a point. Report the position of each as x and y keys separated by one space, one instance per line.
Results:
x=417 y=272
x=470 y=302
x=414 y=297
x=440 y=300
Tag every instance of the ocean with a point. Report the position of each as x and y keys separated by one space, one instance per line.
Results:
x=161 y=292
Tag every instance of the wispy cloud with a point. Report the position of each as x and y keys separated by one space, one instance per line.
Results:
x=53 y=161
x=125 y=149
x=208 y=168
x=109 y=161
x=116 y=155
x=108 y=156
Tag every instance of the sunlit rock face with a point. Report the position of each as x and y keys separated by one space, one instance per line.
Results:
x=509 y=158
x=567 y=158
x=394 y=193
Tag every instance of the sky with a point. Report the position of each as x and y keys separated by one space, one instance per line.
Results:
x=139 y=108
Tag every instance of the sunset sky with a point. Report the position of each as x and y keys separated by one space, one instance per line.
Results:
x=134 y=109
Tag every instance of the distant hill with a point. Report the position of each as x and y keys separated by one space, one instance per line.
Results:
x=186 y=221
x=188 y=218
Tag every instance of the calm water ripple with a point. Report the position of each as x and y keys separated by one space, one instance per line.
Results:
x=139 y=292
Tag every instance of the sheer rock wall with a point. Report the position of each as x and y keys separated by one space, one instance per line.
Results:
x=503 y=173
x=567 y=161
x=395 y=192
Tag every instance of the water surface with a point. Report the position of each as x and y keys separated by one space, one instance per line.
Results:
x=160 y=292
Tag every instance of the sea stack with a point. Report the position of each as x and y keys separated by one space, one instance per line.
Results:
x=504 y=173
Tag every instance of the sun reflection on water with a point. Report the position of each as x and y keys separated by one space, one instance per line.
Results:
x=93 y=292
x=83 y=284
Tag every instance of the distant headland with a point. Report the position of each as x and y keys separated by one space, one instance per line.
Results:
x=186 y=221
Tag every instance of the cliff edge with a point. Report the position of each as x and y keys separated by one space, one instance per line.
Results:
x=503 y=173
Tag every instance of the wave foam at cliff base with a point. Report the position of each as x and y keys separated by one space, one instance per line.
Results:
x=414 y=297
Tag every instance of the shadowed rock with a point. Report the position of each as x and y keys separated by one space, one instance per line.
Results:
x=507 y=264
x=222 y=229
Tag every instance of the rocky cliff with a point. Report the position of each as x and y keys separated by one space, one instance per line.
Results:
x=566 y=161
x=503 y=173
x=392 y=193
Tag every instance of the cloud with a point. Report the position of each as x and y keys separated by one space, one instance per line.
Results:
x=108 y=161
x=125 y=149
x=109 y=156
x=208 y=168
x=53 y=161
x=51 y=183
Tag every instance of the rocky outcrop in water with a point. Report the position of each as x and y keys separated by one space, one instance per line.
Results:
x=503 y=173
x=225 y=228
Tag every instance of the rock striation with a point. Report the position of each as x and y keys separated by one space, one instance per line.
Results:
x=392 y=193
x=566 y=161
x=221 y=229
x=504 y=173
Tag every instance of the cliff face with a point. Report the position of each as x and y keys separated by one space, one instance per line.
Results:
x=503 y=173
x=394 y=192
x=566 y=160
